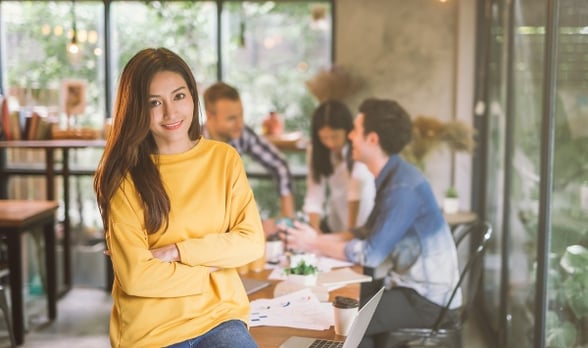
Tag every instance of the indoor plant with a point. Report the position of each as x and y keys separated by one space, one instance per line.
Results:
x=302 y=272
x=451 y=201
x=430 y=133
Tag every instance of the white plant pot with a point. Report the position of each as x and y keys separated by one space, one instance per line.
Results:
x=450 y=205
x=306 y=280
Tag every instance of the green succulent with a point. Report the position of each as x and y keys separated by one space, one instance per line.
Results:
x=302 y=269
x=451 y=192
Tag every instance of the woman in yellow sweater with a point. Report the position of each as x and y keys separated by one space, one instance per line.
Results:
x=178 y=213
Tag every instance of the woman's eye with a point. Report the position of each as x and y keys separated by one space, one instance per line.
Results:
x=180 y=96
x=154 y=103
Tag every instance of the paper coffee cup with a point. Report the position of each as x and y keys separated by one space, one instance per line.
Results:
x=345 y=310
x=273 y=251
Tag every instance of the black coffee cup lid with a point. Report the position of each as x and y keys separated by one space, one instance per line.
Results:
x=345 y=302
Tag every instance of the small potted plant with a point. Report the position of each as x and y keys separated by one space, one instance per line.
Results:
x=451 y=201
x=303 y=273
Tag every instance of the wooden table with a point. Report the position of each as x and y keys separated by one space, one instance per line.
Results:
x=273 y=336
x=16 y=218
x=50 y=172
x=460 y=218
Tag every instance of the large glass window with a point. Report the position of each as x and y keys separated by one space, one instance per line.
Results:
x=517 y=182
x=567 y=311
x=38 y=66
x=185 y=27
x=269 y=50
x=529 y=45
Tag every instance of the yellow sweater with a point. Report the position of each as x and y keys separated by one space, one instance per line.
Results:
x=215 y=223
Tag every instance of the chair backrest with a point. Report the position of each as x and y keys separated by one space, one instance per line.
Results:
x=461 y=232
x=480 y=233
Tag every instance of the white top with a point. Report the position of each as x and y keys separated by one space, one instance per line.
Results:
x=342 y=187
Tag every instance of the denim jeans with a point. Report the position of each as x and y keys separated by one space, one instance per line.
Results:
x=230 y=334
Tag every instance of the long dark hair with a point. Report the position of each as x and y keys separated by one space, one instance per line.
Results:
x=336 y=115
x=130 y=144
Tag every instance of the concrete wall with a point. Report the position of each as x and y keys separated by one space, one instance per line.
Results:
x=420 y=53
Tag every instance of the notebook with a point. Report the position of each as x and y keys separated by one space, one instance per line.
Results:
x=356 y=332
x=252 y=285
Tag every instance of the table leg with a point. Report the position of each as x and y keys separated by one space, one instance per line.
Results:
x=13 y=239
x=50 y=185
x=50 y=170
x=66 y=223
x=50 y=268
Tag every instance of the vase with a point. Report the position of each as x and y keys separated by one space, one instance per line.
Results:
x=450 y=205
x=304 y=279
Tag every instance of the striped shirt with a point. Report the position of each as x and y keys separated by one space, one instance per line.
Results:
x=264 y=153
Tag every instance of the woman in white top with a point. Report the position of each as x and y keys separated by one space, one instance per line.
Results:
x=347 y=186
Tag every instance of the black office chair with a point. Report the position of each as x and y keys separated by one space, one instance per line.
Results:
x=479 y=233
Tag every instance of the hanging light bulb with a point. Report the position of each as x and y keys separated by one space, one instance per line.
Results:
x=74 y=52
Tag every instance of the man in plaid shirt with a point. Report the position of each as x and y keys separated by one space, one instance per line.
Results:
x=224 y=122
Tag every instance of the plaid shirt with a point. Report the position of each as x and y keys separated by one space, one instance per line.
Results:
x=264 y=153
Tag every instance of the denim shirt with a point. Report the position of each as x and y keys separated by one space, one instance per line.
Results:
x=406 y=235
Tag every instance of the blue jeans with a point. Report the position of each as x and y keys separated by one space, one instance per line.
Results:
x=230 y=334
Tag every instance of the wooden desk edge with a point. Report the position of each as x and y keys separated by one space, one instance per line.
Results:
x=18 y=213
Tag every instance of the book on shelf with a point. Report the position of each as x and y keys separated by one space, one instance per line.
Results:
x=31 y=126
x=4 y=119
x=15 y=128
x=37 y=127
x=10 y=127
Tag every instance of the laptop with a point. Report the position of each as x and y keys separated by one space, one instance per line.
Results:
x=252 y=285
x=356 y=332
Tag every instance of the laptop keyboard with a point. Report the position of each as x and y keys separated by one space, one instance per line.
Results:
x=326 y=344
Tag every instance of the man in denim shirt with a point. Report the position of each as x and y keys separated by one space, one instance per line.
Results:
x=405 y=241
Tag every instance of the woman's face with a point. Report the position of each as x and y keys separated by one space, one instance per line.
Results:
x=172 y=108
x=333 y=139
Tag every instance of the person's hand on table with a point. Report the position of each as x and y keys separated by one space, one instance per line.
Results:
x=301 y=237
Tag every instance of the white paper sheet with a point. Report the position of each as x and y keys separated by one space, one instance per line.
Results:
x=300 y=309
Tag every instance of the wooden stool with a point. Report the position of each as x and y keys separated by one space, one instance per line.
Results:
x=18 y=217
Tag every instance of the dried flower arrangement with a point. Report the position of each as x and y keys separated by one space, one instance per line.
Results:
x=428 y=133
x=332 y=83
